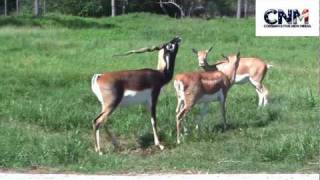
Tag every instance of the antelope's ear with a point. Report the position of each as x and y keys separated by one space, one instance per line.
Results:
x=209 y=49
x=225 y=57
x=194 y=51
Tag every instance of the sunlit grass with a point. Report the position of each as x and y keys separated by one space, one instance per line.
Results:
x=46 y=103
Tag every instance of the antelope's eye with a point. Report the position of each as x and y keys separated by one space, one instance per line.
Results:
x=170 y=47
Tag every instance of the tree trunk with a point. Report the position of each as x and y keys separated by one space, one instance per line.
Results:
x=163 y=8
x=113 y=8
x=44 y=7
x=239 y=9
x=17 y=7
x=5 y=8
x=36 y=8
x=245 y=8
x=124 y=3
x=172 y=3
x=190 y=9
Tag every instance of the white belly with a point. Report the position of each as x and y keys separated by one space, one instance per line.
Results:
x=241 y=78
x=211 y=97
x=131 y=97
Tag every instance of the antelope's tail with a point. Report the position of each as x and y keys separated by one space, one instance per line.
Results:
x=95 y=87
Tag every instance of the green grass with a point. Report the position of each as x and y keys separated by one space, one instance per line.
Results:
x=46 y=103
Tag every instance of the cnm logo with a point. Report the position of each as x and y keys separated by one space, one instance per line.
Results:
x=292 y=17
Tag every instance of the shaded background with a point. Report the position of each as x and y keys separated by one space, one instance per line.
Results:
x=99 y=8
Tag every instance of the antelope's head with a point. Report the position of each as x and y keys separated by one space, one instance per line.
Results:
x=167 y=57
x=230 y=65
x=172 y=46
x=232 y=59
x=202 y=56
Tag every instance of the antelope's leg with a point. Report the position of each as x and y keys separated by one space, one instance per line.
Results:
x=96 y=132
x=265 y=95
x=179 y=105
x=180 y=95
x=261 y=97
x=222 y=100
x=113 y=138
x=178 y=121
x=203 y=111
x=152 y=108
x=259 y=90
x=96 y=124
x=108 y=107
x=179 y=117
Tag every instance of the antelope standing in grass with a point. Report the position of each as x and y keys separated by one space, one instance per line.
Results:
x=134 y=87
x=250 y=69
x=204 y=87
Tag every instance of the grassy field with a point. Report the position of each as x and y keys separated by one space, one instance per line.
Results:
x=46 y=103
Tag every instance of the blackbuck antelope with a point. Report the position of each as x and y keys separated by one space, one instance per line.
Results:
x=134 y=87
x=250 y=69
x=204 y=87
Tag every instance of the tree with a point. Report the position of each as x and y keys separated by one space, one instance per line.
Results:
x=113 y=8
x=124 y=4
x=5 y=8
x=239 y=9
x=245 y=8
x=44 y=9
x=173 y=3
x=17 y=6
x=36 y=8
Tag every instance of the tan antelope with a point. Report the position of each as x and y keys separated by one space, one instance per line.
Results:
x=250 y=69
x=134 y=87
x=204 y=87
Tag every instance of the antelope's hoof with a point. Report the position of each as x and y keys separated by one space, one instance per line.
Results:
x=100 y=153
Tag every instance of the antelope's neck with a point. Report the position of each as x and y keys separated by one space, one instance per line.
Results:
x=161 y=61
x=168 y=71
x=208 y=67
x=166 y=64
x=228 y=69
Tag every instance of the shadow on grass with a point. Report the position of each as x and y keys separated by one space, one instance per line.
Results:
x=263 y=118
x=146 y=140
x=209 y=132
x=66 y=22
x=77 y=23
x=13 y=21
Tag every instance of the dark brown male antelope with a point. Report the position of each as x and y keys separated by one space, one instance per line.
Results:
x=134 y=87
x=204 y=87
x=250 y=69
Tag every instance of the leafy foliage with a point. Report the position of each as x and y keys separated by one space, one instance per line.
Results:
x=98 y=8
